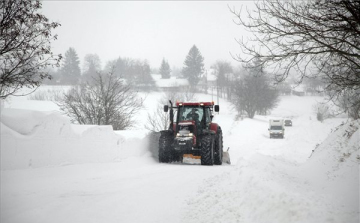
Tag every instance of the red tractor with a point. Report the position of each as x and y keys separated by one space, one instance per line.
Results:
x=192 y=134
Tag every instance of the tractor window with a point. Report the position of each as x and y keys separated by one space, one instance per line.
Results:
x=175 y=115
x=207 y=115
x=190 y=113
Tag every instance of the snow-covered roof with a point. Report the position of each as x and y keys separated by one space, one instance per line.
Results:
x=171 y=82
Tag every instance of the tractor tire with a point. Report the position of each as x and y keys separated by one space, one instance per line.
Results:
x=165 y=147
x=207 y=150
x=218 y=150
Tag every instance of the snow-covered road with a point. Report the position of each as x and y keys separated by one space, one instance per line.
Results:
x=270 y=180
x=135 y=190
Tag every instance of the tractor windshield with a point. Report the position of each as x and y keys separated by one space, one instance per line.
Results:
x=190 y=113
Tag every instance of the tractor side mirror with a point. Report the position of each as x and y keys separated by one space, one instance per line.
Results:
x=166 y=108
x=217 y=108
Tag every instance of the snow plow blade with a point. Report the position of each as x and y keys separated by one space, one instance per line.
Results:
x=226 y=156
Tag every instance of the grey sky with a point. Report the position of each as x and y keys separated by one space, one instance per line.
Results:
x=150 y=30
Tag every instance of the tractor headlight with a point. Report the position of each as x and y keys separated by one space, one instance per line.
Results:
x=186 y=134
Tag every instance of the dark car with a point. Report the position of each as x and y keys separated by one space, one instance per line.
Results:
x=288 y=123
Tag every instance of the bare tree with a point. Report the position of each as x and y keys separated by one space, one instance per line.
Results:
x=323 y=111
x=223 y=70
x=314 y=85
x=187 y=94
x=254 y=94
x=314 y=38
x=159 y=120
x=106 y=100
x=25 y=37
x=349 y=102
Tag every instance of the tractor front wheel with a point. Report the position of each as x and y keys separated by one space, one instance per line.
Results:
x=218 y=154
x=165 y=147
x=207 y=150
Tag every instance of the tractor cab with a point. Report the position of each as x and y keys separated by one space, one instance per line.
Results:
x=191 y=116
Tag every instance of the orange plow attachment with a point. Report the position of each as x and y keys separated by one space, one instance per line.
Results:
x=225 y=158
x=191 y=156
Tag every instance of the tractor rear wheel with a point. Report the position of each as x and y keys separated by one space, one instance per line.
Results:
x=165 y=147
x=218 y=150
x=207 y=150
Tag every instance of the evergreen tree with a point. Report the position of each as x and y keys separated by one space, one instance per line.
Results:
x=118 y=66
x=92 y=65
x=165 y=69
x=194 y=66
x=142 y=75
x=70 y=70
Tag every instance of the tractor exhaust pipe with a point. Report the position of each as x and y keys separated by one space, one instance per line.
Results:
x=171 y=115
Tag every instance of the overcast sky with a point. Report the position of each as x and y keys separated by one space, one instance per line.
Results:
x=150 y=30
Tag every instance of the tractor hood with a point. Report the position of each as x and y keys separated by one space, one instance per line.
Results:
x=186 y=123
x=186 y=126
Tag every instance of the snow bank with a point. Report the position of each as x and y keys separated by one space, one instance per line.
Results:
x=37 y=139
x=270 y=189
x=333 y=171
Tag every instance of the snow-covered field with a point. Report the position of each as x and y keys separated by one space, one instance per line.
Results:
x=54 y=171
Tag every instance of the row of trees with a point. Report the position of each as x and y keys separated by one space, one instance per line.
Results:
x=252 y=91
x=101 y=97
x=314 y=38
x=134 y=71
